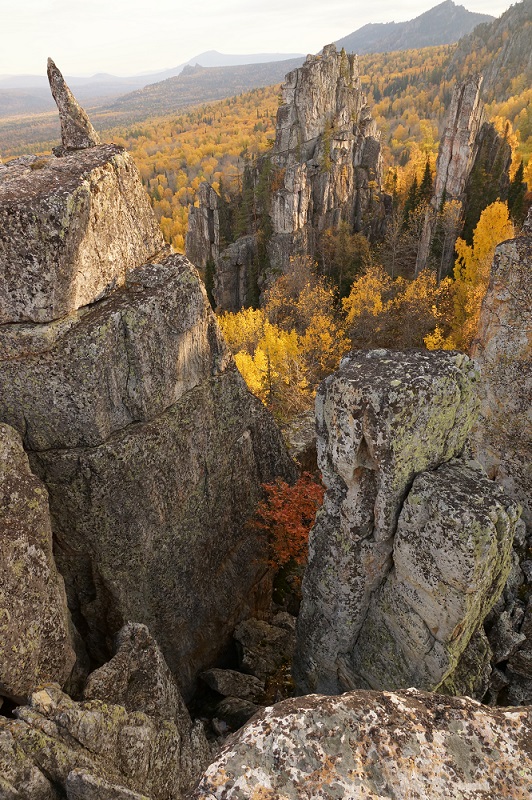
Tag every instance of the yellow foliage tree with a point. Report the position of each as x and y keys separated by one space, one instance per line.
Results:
x=472 y=271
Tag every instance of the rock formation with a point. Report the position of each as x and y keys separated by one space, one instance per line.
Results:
x=71 y=227
x=91 y=751
x=411 y=548
x=115 y=374
x=469 y=145
x=503 y=350
x=325 y=167
x=376 y=745
x=203 y=233
x=77 y=132
x=326 y=155
x=35 y=638
x=502 y=442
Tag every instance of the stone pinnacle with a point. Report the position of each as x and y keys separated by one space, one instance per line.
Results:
x=77 y=132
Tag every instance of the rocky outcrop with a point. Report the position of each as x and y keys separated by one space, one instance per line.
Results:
x=453 y=523
x=469 y=147
x=91 y=750
x=395 y=586
x=71 y=228
x=371 y=744
x=114 y=372
x=324 y=168
x=203 y=232
x=502 y=441
x=77 y=132
x=503 y=348
x=326 y=158
x=35 y=638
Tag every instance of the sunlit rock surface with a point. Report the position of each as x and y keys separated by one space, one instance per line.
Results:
x=380 y=746
x=71 y=228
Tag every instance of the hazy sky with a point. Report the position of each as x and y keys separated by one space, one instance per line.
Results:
x=132 y=36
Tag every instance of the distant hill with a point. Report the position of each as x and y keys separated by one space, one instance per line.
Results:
x=30 y=94
x=203 y=84
x=446 y=23
x=501 y=50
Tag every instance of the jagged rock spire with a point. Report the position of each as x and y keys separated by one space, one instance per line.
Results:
x=77 y=131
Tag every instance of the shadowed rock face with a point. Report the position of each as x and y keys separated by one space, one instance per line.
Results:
x=35 y=639
x=77 y=132
x=114 y=372
x=394 y=542
x=372 y=744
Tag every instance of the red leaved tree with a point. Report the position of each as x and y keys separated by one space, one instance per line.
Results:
x=288 y=513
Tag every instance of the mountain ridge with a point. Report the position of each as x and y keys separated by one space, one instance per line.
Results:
x=445 y=23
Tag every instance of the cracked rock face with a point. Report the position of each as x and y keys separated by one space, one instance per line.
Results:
x=90 y=750
x=503 y=437
x=124 y=359
x=114 y=372
x=376 y=745
x=386 y=422
x=35 y=638
x=70 y=229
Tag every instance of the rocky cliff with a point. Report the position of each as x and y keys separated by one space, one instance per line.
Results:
x=471 y=155
x=325 y=167
x=413 y=545
x=503 y=350
x=115 y=375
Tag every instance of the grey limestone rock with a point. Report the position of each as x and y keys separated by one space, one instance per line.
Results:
x=35 y=628
x=110 y=748
x=371 y=744
x=81 y=785
x=137 y=677
x=469 y=145
x=71 y=228
x=383 y=419
x=325 y=167
x=502 y=440
x=126 y=359
x=236 y=278
x=451 y=557
x=150 y=525
x=77 y=132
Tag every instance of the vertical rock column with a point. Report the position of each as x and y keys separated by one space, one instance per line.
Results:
x=387 y=421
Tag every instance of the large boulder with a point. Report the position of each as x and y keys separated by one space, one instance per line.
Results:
x=452 y=555
x=35 y=629
x=376 y=745
x=71 y=228
x=57 y=747
x=381 y=419
x=126 y=359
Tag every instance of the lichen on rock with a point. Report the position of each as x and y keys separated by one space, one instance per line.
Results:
x=35 y=628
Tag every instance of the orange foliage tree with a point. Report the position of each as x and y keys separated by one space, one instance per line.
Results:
x=287 y=514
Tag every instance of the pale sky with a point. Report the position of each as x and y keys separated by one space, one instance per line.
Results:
x=125 y=37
